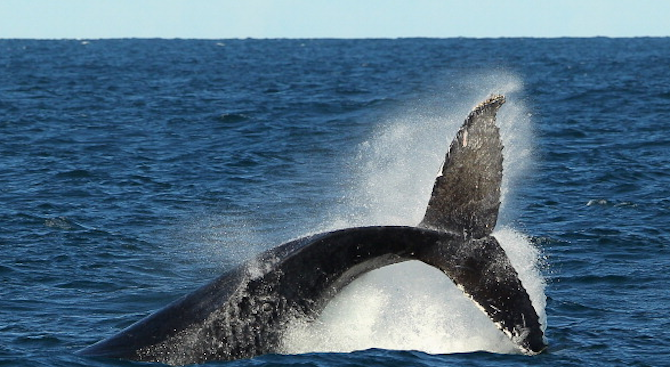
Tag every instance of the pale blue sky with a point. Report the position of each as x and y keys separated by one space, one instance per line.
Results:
x=332 y=18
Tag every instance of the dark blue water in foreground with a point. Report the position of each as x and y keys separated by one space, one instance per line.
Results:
x=134 y=171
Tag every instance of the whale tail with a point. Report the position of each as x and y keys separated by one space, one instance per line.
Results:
x=243 y=313
x=466 y=193
x=465 y=201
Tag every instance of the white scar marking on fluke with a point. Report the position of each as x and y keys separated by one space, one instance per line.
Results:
x=440 y=173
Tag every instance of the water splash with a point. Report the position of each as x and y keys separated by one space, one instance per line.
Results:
x=406 y=306
x=411 y=306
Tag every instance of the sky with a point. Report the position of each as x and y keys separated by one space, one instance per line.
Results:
x=220 y=19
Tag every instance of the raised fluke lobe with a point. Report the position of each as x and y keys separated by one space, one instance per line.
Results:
x=466 y=194
x=245 y=312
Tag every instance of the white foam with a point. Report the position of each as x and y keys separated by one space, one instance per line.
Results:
x=406 y=306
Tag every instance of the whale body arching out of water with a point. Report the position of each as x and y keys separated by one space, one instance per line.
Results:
x=244 y=312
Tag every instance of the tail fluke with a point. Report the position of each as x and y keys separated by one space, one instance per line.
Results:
x=466 y=194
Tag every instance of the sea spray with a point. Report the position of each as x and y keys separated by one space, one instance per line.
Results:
x=411 y=306
x=405 y=306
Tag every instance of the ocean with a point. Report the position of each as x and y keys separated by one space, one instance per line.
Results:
x=134 y=171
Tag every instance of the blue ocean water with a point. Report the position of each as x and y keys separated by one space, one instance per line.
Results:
x=134 y=171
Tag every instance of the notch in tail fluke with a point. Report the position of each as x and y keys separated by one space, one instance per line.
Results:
x=466 y=194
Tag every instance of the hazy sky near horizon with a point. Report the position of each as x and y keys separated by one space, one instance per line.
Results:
x=215 y=19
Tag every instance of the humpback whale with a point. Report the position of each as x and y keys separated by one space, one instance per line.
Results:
x=244 y=312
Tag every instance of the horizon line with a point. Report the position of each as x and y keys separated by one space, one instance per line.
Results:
x=314 y=38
